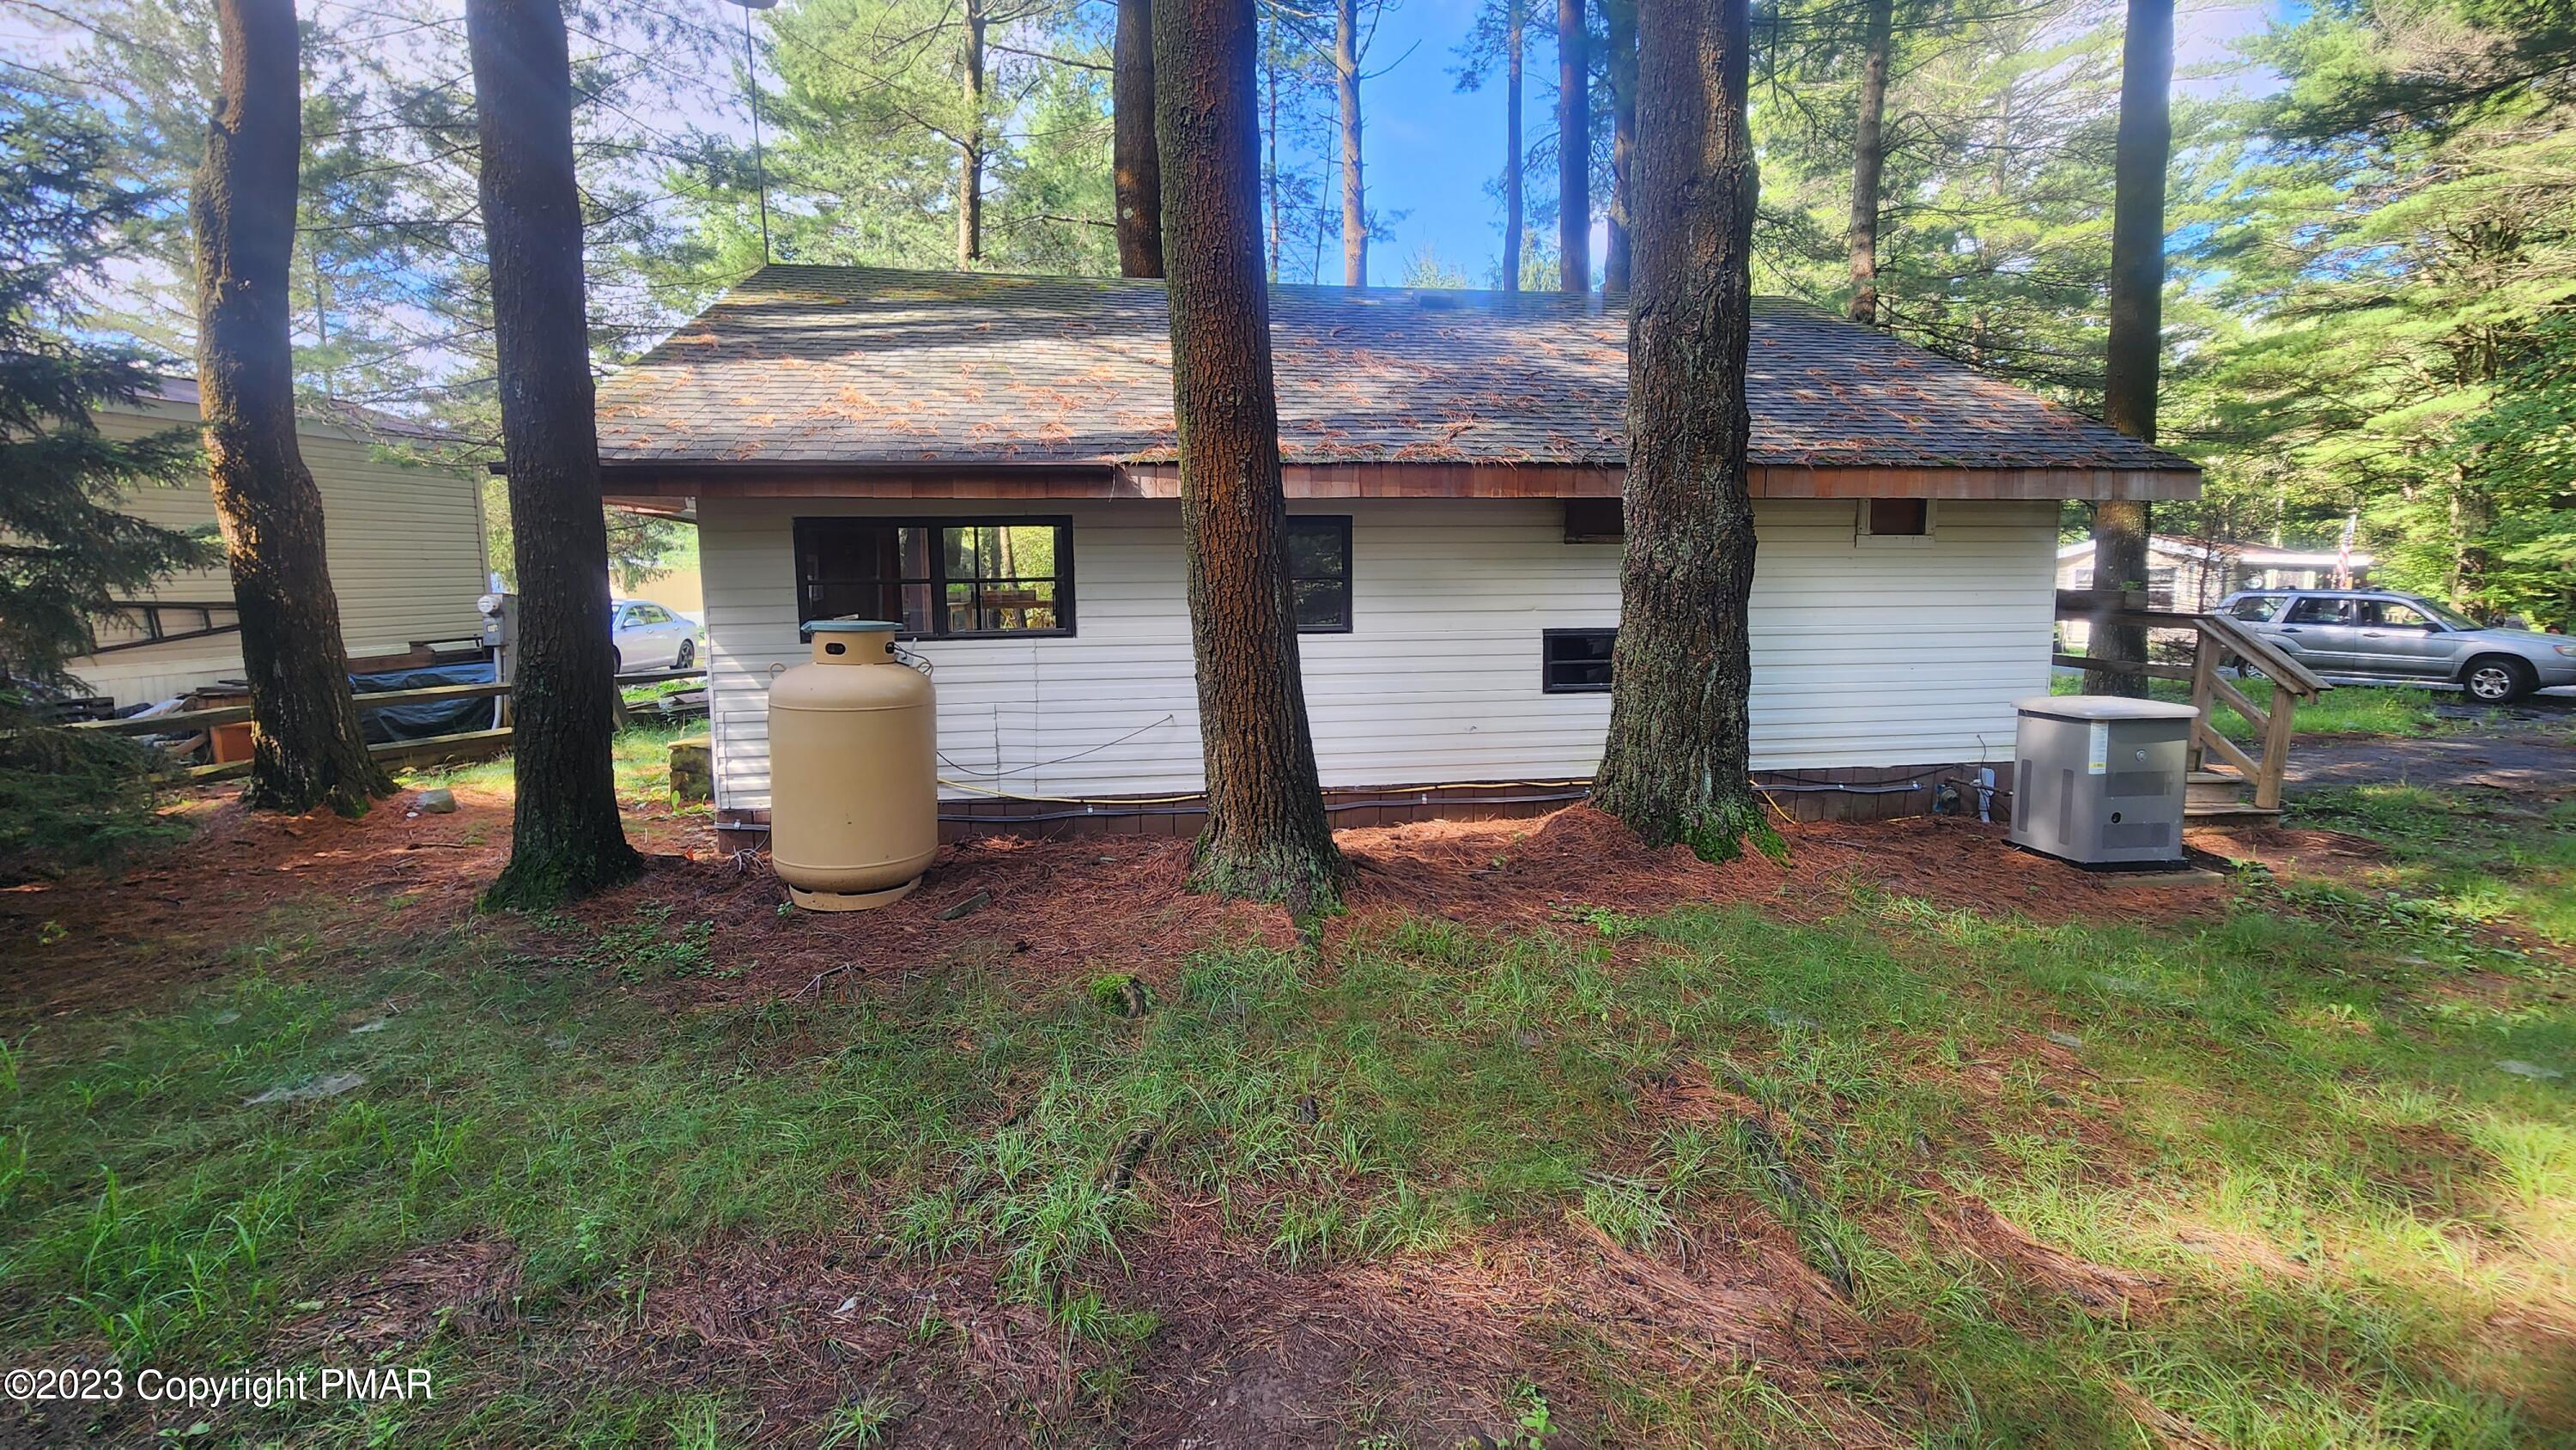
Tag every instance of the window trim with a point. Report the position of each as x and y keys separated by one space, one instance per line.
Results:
x=1863 y=538
x=939 y=580
x=1548 y=636
x=1350 y=594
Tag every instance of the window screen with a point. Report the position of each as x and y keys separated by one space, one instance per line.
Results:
x=1575 y=661
x=1898 y=518
x=1319 y=572
x=939 y=578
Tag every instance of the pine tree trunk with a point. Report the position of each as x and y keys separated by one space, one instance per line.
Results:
x=1682 y=673
x=306 y=749
x=1515 y=208
x=1620 y=18
x=1346 y=78
x=1136 y=168
x=1869 y=161
x=2121 y=526
x=565 y=840
x=1266 y=836
x=1573 y=150
x=970 y=152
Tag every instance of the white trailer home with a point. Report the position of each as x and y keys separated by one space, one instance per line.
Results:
x=990 y=460
x=404 y=538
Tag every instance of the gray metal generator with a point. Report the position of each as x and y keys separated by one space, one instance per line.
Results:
x=2098 y=779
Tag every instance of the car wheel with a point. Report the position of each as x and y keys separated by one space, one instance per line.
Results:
x=2497 y=680
x=688 y=654
x=617 y=661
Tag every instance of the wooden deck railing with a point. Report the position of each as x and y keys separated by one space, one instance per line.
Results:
x=2216 y=639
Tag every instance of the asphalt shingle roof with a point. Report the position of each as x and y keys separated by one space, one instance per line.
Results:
x=867 y=366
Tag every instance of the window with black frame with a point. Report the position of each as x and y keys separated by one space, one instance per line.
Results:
x=1575 y=661
x=939 y=578
x=1319 y=572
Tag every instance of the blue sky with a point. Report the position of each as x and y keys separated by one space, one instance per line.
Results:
x=1429 y=150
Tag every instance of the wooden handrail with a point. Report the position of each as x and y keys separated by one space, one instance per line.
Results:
x=2264 y=655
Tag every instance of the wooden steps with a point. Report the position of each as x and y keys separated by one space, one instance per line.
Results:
x=2217 y=796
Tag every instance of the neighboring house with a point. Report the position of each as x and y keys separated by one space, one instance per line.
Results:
x=405 y=541
x=990 y=460
x=2192 y=575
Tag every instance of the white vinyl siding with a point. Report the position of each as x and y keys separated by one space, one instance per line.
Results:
x=1860 y=656
x=405 y=544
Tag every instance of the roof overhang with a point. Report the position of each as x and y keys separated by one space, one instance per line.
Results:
x=1365 y=480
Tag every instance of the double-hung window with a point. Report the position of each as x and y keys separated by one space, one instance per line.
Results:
x=1319 y=572
x=939 y=578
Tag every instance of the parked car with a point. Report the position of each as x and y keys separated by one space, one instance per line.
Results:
x=651 y=637
x=2378 y=636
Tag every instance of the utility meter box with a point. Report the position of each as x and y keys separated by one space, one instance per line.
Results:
x=2098 y=779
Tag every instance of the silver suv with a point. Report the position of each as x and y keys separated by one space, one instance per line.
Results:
x=2372 y=636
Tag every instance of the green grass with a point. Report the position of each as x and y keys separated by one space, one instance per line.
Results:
x=2343 y=710
x=642 y=754
x=2292 y=1115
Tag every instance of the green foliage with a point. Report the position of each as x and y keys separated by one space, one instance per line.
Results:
x=70 y=550
x=72 y=798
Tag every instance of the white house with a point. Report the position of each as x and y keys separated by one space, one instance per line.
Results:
x=404 y=539
x=991 y=460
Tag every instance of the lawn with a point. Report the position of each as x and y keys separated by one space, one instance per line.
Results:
x=2343 y=710
x=1827 y=1159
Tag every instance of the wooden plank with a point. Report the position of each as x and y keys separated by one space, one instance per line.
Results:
x=2204 y=679
x=2276 y=748
x=1396 y=479
x=2236 y=700
x=2265 y=656
x=2227 y=749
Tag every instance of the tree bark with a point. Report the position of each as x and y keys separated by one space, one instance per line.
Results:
x=1869 y=161
x=1620 y=18
x=1515 y=205
x=970 y=152
x=1573 y=150
x=1346 y=77
x=1267 y=835
x=565 y=839
x=1681 y=673
x=306 y=749
x=1137 y=166
x=2121 y=526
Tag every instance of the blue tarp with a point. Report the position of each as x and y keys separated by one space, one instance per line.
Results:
x=438 y=717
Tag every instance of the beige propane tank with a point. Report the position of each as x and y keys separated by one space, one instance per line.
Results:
x=853 y=771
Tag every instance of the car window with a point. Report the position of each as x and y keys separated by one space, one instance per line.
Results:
x=2439 y=611
x=652 y=614
x=2313 y=610
x=2389 y=614
x=620 y=618
x=2258 y=607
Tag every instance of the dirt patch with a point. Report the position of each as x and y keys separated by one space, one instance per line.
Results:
x=464 y=1286
x=1579 y=857
x=84 y=942
x=1974 y=1228
x=1048 y=907
x=2292 y=850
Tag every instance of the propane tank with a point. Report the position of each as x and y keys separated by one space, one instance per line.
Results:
x=853 y=777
